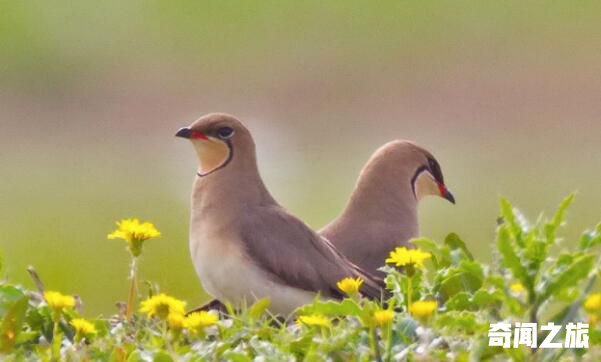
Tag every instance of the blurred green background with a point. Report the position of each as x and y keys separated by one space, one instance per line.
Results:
x=506 y=94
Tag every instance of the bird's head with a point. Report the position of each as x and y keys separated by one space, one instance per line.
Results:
x=410 y=162
x=215 y=137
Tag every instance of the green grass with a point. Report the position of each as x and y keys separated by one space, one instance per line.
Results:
x=526 y=282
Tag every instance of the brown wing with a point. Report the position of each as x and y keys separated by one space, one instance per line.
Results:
x=293 y=253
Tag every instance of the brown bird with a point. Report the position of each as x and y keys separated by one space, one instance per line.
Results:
x=382 y=211
x=243 y=244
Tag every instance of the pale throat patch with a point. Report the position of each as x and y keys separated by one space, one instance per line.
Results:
x=212 y=154
x=425 y=185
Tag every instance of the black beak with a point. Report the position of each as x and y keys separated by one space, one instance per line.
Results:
x=184 y=133
x=449 y=196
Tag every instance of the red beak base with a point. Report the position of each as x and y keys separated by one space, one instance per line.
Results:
x=445 y=193
x=198 y=136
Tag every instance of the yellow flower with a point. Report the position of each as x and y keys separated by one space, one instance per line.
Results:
x=198 y=321
x=516 y=287
x=58 y=301
x=401 y=256
x=593 y=303
x=83 y=327
x=161 y=306
x=383 y=317
x=593 y=319
x=350 y=286
x=135 y=233
x=176 y=321
x=423 y=308
x=315 y=320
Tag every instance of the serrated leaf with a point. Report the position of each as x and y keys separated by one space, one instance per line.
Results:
x=551 y=227
x=474 y=268
x=569 y=277
x=460 y=301
x=512 y=220
x=536 y=250
x=509 y=258
x=454 y=242
x=456 y=280
x=591 y=238
x=483 y=298
x=459 y=321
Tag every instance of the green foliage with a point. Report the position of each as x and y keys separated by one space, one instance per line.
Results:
x=527 y=283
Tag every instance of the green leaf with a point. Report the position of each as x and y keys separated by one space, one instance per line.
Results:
x=514 y=221
x=259 y=307
x=135 y=356
x=455 y=243
x=557 y=220
x=468 y=277
x=332 y=308
x=405 y=330
x=8 y=296
x=591 y=238
x=460 y=322
x=509 y=257
x=162 y=356
x=483 y=298
x=237 y=357
x=473 y=268
x=460 y=301
x=12 y=323
x=567 y=277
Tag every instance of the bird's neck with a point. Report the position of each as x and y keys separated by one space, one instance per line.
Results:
x=235 y=188
x=390 y=205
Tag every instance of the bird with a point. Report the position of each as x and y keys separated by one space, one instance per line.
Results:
x=243 y=244
x=382 y=212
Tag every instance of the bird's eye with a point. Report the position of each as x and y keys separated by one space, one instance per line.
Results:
x=225 y=133
x=432 y=164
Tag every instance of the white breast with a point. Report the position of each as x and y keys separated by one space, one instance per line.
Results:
x=229 y=275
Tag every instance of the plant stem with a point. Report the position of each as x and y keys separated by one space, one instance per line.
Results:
x=56 y=340
x=131 y=297
x=409 y=292
x=388 y=337
x=374 y=344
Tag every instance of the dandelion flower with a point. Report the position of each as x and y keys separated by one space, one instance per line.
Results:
x=401 y=256
x=315 y=320
x=593 y=303
x=161 y=306
x=135 y=233
x=350 y=286
x=58 y=301
x=83 y=327
x=198 y=321
x=175 y=321
x=517 y=287
x=424 y=308
x=383 y=317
